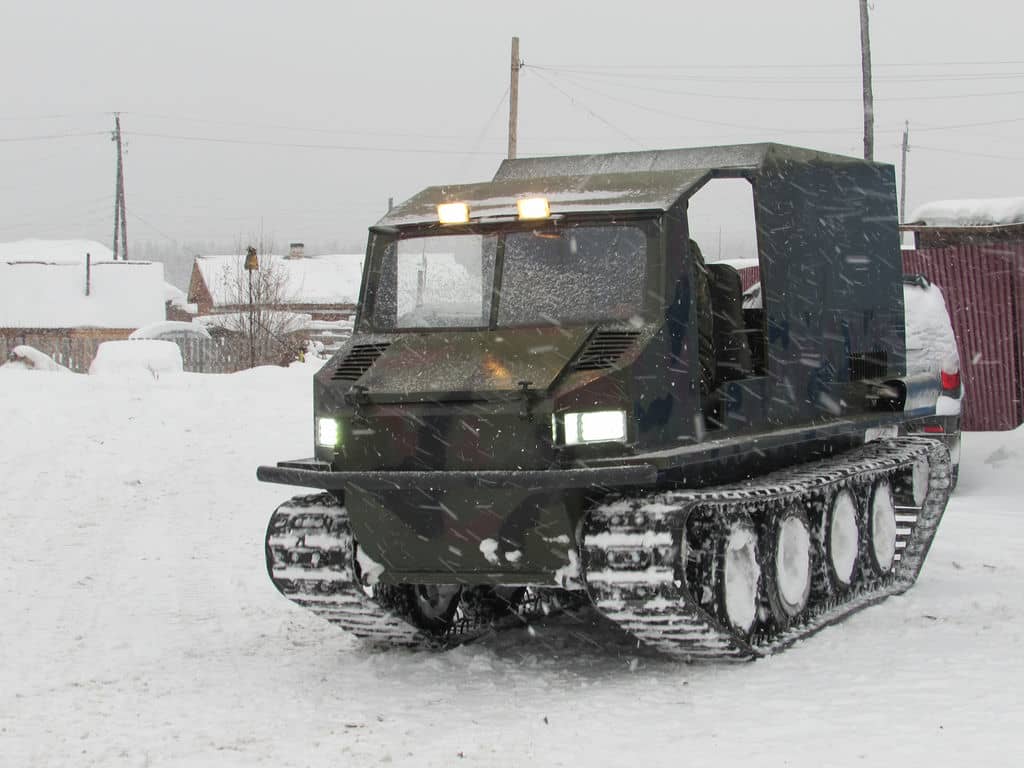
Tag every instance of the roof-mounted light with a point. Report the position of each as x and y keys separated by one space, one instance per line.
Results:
x=533 y=208
x=453 y=213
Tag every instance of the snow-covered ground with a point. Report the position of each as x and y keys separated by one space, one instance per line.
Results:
x=140 y=628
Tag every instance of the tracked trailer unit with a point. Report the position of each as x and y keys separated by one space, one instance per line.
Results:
x=550 y=401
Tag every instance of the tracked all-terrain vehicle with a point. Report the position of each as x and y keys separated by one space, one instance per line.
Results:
x=549 y=401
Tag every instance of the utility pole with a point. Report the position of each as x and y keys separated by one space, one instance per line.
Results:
x=513 y=100
x=903 y=172
x=120 y=215
x=865 y=65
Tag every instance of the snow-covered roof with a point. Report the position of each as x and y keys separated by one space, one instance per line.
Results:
x=984 y=212
x=647 y=181
x=44 y=290
x=174 y=294
x=705 y=159
x=54 y=251
x=331 y=279
x=170 y=329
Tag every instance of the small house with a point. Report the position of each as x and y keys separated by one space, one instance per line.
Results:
x=957 y=223
x=321 y=292
x=65 y=297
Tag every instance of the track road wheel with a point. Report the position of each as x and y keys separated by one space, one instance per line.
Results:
x=738 y=577
x=434 y=605
x=921 y=479
x=881 y=529
x=842 y=539
x=789 y=565
x=912 y=486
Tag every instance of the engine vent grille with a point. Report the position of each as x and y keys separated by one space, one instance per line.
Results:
x=604 y=350
x=358 y=361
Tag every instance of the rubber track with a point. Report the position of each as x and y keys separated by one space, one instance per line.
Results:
x=328 y=588
x=655 y=606
x=317 y=526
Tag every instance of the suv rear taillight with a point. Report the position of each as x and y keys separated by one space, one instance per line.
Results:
x=951 y=383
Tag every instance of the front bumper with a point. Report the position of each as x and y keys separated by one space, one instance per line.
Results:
x=311 y=473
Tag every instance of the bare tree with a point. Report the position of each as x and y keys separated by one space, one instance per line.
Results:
x=256 y=296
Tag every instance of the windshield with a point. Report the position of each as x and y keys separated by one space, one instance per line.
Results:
x=570 y=274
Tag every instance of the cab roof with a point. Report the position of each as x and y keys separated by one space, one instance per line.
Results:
x=622 y=181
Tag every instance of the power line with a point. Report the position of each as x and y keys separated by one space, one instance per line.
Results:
x=295 y=128
x=51 y=136
x=796 y=65
x=965 y=152
x=716 y=123
x=666 y=113
x=972 y=125
x=811 y=99
x=481 y=137
x=63 y=116
x=299 y=145
x=776 y=79
x=152 y=226
x=587 y=109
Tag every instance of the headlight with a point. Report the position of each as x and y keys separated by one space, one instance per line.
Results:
x=328 y=432
x=594 y=427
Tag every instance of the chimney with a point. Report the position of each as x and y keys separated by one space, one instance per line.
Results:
x=296 y=250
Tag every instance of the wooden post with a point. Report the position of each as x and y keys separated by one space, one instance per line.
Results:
x=119 y=212
x=252 y=264
x=865 y=65
x=116 y=137
x=513 y=101
x=903 y=172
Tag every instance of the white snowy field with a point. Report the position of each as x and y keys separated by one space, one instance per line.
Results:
x=139 y=626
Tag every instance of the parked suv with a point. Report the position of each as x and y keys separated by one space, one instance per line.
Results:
x=931 y=347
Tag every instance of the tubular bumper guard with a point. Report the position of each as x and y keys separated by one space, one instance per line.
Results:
x=311 y=473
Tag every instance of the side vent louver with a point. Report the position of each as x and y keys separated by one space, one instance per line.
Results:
x=358 y=361
x=604 y=350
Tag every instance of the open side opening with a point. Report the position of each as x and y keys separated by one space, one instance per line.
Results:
x=723 y=227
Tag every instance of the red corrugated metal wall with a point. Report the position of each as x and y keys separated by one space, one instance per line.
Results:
x=749 y=276
x=983 y=286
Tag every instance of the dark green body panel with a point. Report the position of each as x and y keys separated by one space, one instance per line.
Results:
x=442 y=366
x=505 y=536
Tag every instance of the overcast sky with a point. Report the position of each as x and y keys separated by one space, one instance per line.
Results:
x=304 y=117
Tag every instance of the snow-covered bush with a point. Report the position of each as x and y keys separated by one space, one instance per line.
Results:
x=31 y=359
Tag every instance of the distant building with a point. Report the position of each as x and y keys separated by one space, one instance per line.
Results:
x=978 y=222
x=323 y=290
x=54 y=298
